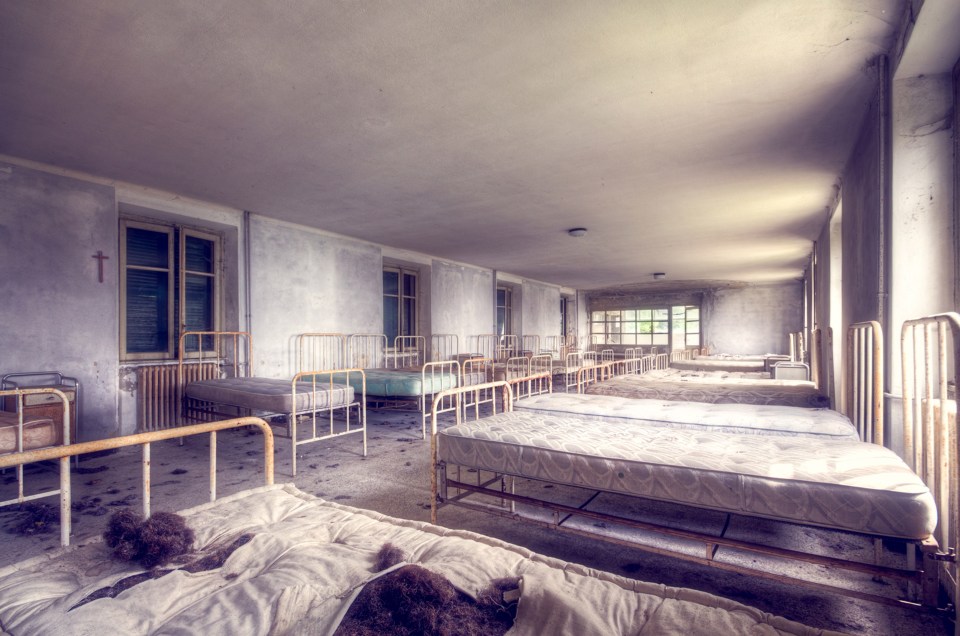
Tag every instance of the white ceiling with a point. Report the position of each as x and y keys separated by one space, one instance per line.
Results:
x=701 y=139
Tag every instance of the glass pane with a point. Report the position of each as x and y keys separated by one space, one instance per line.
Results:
x=645 y=314
x=146 y=248
x=661 y=327
x=678 y=311
x=597 y=316
x=659 y=339
x=661 y=314
x=391 y=316
x=693 y=313
x=693 y=327
x=409 y=327
x=597 y=327
x=628 y=339
x=198 y=255
x=391 y=284
x=629 y=327
x=613 y=339
x=693 y=340
x=630 y=314
x=613 y=315
x=501 y=321
x=501 y=298
x=644 y=339
x=147 y=303
x=198 y=297
x=409 y=285
x=645 y=327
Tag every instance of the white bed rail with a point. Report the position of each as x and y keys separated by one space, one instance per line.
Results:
x=444 y=346
x=64 y=453
x=930 y=351
x=865 y=380
x=407 y=351
x=367 y=351
x=321 y=351
x=328 y=382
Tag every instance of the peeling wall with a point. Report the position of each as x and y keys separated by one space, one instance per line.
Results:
x=923 y=199
x=864 y=215
x=752 y=320
x=463 y=300
x=56 y=316
x=307 y=281
x=540 y=306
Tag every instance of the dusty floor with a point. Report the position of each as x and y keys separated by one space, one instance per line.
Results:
x=395 y=479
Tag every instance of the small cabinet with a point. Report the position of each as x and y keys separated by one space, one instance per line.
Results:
x=44 y=404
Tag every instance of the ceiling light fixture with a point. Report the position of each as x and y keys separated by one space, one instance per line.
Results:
x=577 y=231
x=659 y=276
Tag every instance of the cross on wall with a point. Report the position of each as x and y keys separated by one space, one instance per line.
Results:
x=100 y=258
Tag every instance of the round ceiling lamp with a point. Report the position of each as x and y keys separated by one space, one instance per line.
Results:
x=577 y=231
x=659 y=275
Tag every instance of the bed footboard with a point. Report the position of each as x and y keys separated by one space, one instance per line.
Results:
x=930 y=351
x=19 y=433
x=64 y=453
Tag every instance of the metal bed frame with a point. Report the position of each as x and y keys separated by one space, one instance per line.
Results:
x=931 y=373
x=444 y=346
x=369 y=351
x=930 y=355
x=144 y=440
x=232 y=352
x=20 y=396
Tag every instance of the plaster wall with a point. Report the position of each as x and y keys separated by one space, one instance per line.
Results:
x=864 y=183
x=752 y=320
x=56 y=315
x=462 y=302
x=304 y=280
x=922 y=203
x=541 y=309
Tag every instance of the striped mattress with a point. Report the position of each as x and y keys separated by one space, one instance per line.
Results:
x=845 y=485
x=744 y=419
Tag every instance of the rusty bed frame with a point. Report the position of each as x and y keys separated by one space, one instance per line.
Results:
x=930 y=360
x=370 y=351
x=231 y=353
x=20 y=396
x=144 y=440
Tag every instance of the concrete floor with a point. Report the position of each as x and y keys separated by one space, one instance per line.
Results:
x=395 y=479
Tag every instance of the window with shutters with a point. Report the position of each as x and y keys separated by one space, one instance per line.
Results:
x=169 y=283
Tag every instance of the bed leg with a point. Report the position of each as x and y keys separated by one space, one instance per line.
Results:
x=930 y=576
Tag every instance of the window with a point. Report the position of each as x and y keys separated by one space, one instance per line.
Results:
x=563 y=316
x=676 y=327
x=399 y=303
x=504 y=311
x=170 y=284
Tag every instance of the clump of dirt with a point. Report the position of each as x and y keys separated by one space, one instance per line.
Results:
x=153 y=542
x=36 y=518
x=413 y=600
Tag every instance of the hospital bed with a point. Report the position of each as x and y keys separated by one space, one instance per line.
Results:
x=584 y=475
x=312 y=400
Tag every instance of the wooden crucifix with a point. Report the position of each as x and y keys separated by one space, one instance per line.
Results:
x=100 y=258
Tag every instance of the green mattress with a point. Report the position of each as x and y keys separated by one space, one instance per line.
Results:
x=398 y=382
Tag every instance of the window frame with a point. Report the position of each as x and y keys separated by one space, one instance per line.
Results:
x=403 y=328
x=506 y=329
x=623 y=327
x=176 y=276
